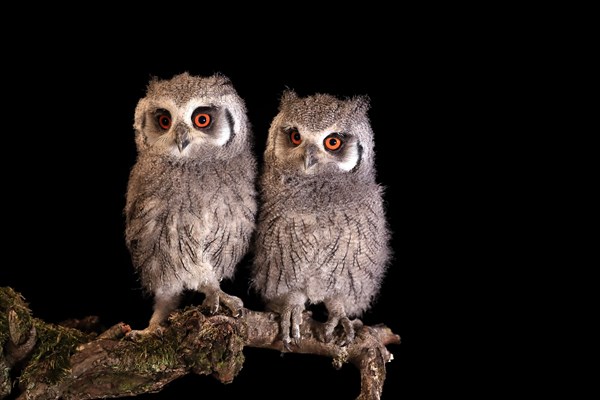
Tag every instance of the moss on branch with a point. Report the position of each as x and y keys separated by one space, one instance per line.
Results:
x=43 y=361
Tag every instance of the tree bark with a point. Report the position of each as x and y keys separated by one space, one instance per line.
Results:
x=69 y=361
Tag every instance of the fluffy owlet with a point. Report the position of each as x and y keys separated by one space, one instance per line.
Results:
x=322 y=235
x=191 y=197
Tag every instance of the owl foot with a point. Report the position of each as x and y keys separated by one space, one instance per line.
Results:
x=348 y=330
x=214 y=299
x=164 y=304
x=291 y=319
x=137 y=334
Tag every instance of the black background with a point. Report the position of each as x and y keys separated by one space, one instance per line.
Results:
x=68 y=148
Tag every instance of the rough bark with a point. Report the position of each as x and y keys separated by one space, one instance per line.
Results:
x=69 y=361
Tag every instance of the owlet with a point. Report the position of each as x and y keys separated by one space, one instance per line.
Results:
x=191 y=197
x=322 y=235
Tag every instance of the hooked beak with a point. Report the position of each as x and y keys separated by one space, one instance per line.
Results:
x=182 y=137
x=310 y=157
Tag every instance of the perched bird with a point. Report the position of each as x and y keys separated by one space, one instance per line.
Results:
x=322 y=235
x=191 y=197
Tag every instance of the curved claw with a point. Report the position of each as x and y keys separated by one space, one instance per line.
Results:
x=296 y=321
x=214 y=299
x=348 y=330
x=211 y=302
x=291 y=319
x=286 y=344
x=233 y=303
x=328 y=328
x=347 y=335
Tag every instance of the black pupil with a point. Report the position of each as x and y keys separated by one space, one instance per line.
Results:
x=332 y=142
x=164 y=121
x=296 y=136
x=202 y=120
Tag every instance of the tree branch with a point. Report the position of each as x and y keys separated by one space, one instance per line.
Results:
x=66 y=361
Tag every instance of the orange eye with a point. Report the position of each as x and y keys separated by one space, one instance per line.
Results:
x=164 y=121
x=332 y=143
x=202 y=120
x=295 y=137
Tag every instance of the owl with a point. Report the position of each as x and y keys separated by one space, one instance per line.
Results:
x=191 y=201
x=322 y=235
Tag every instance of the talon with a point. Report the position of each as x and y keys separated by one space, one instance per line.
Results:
x=289 y=308
x=239 y=313
x=328 y=330
x=286 y=346
x=296 y=321
x=211 y=302
x=233 y=303
x=346 y=335
x=348 y=326
x=296 y=332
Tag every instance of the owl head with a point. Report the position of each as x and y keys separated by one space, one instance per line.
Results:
x=320 y=134
x=191 y=116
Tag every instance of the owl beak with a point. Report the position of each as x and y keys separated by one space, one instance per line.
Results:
x=310 y=158
x=182 y=137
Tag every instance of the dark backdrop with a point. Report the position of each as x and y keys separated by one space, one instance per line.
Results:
x=68 y=148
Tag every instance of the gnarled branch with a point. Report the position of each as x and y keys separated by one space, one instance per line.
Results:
x=61 y=361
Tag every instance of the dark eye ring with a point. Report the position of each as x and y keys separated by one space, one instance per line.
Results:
x=164 y=121
x=202 y=120
x=295 y=137
x=333 y=143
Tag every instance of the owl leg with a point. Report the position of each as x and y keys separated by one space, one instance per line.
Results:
x=337 y=317
x=214 y=297
x=290 y=308
x=164 y=304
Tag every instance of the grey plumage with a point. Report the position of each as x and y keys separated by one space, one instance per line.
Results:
x=191 y=197
x=322 y=234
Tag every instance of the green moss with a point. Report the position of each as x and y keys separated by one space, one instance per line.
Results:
x=50 y=359
x=216 y=348
x=5 y=380
x=54 y=346
x=123 y=383
x=148 y=354
x=11 y=300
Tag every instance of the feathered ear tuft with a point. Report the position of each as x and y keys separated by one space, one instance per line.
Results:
x=152 y=83
x=287 y=96
x=222 y=79
x=362 y=104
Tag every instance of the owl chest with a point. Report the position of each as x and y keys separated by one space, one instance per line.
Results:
x=181 y=207
x=315 y=233
x=314 y=216
x=309 y=224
